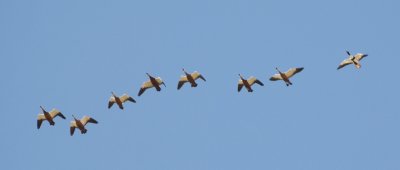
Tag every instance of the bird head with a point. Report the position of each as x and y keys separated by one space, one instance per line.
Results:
x=148 y=74
x=42 y=109
x=74 y=118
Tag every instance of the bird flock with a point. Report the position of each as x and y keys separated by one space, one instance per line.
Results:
x=156 y=82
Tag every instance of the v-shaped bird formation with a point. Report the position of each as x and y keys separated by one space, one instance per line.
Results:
x=187 y=78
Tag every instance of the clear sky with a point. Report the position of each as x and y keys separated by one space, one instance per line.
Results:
x=71 y=54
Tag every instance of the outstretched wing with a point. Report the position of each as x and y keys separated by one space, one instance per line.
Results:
x=291 y=72
x=72 y=127
x=182 y=81
x=55 y=112
x=145 y=86
x=87 y=119
x=240 y=85
x=141 y=91
x=345 y=63
x=253 y=80
x=276 y=77
x=111 y=102
x=197 y=75
x=160 y=81
x=40 y=120
x=125 y=98
x=360 y=56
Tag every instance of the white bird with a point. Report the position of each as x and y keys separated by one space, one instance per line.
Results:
x=119 y=100
x=49 y=116
x=353 y=59
x=286 y=75
x=190 y=78
x=248 y=83
x=153 y=82
x=80 y=124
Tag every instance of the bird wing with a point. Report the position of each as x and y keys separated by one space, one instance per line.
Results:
x=345 y=63
x=145 y=86
x=359 y=56
x=276 y=77
x=55 y=112
x=40 y=119
x=197 y=75
x=111 y=102
x=87 y=119
x=72 y=127
x=182 y=81
x=141 y=91
x=291 y=72
x=159 y=80
x=253 y=80
x=125 y=98
x=240 y=85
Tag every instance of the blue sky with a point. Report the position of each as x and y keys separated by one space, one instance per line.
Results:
x=70 y=55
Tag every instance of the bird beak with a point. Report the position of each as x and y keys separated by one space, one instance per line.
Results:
x=348 y=53
x=164 y=84
x=365 y=55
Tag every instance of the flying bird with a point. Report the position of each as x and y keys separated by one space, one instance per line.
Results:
x=286 y=75
x=352 y=59
x=119 y=100
x=80 y=124
x=153 y=82
x=190 y=78
x=49 y=116
x=248 y=83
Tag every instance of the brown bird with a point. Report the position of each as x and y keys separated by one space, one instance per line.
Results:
x=49 y=116
x=119 y=100
x=190 y=78
x=248 y=83
x=80 y=124
x=153 y=82
x=353 y=59
x=285 y=76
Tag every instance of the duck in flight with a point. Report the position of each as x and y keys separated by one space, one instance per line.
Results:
x=80 y=124
x=191 y=78
x=153 y=82
x=248 y=83
x=352 y=59
x=286 y=75
x=49 y=116
x=119 y=100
